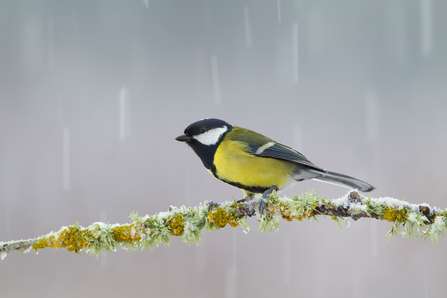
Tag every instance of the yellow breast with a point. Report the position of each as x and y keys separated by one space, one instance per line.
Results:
x=234 y=164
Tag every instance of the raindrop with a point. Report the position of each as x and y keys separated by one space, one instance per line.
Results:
x=295 y=53
x=124 y=114
x=427 y=26
x=66 y=159
x=216 y=83
x=248 y=40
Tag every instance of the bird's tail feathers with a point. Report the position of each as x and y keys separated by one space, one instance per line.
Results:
x=343 y=180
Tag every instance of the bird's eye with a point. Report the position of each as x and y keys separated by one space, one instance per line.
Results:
x=202 y=130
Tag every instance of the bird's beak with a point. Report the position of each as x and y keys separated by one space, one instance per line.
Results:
x=183 y=138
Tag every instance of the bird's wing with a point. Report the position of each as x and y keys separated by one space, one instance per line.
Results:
x=280 y=151
x=262 y=146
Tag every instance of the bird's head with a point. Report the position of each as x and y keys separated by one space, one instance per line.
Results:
x=204 y=136
x=207 y=132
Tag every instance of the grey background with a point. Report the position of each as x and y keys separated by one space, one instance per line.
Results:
x=93 y=93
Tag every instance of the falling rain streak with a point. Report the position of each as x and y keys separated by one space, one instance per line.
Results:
x=124 y=114
x=248 y=41
x=396 y=30
x=427 y=27
x=230 y=283
x=188 y=196
x=103 y=257
x=66 y=159
x=295 y=53
x=374 y=250
x=103 y=260
x=286 y=264
x=298 y=136
x=278 y=4
x=50 y=44
x=146 y=3
x=216 y=83
x=232 y=271
x=372 y=117
x=234 y=251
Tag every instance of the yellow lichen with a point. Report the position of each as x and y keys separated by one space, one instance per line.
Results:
x=221 y=217
x=176 y=224
x=72 y=239
x=44 y=242
x=125 y=233
x=53 y=242
x=391 y=214
x=41 y=243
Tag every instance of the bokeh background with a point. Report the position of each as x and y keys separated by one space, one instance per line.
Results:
x=93 y=93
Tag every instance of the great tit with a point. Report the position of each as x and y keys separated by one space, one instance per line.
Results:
x=254 y=163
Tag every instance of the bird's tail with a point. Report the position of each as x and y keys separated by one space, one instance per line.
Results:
x=343 y=180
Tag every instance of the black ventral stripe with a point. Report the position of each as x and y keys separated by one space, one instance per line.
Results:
x=252 y=189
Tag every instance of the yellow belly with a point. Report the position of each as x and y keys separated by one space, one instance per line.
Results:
x=233 y=164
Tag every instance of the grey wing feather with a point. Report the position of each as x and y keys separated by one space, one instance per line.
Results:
x=283 y=152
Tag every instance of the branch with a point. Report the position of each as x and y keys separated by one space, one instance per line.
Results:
x=189 y=223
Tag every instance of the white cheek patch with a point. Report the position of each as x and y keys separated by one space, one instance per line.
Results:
x=211 y=136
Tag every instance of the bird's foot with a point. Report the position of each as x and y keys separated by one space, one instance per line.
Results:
x=212 y=205
x=247 y=198
x=265 y=198
x=262 y=206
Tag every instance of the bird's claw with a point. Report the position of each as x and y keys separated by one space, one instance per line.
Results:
x=266 y=197
x=212 y=205
x=262 y=206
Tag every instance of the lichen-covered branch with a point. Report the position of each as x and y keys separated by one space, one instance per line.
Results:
x=189 y=223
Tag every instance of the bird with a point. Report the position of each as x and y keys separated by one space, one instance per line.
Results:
x=253 y=162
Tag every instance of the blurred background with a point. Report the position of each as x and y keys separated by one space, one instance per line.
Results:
x=93 y=93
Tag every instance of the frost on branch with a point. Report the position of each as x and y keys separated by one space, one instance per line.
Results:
x=189 y=223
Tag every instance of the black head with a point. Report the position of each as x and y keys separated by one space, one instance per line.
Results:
x=204 y=136
x=206 y=131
